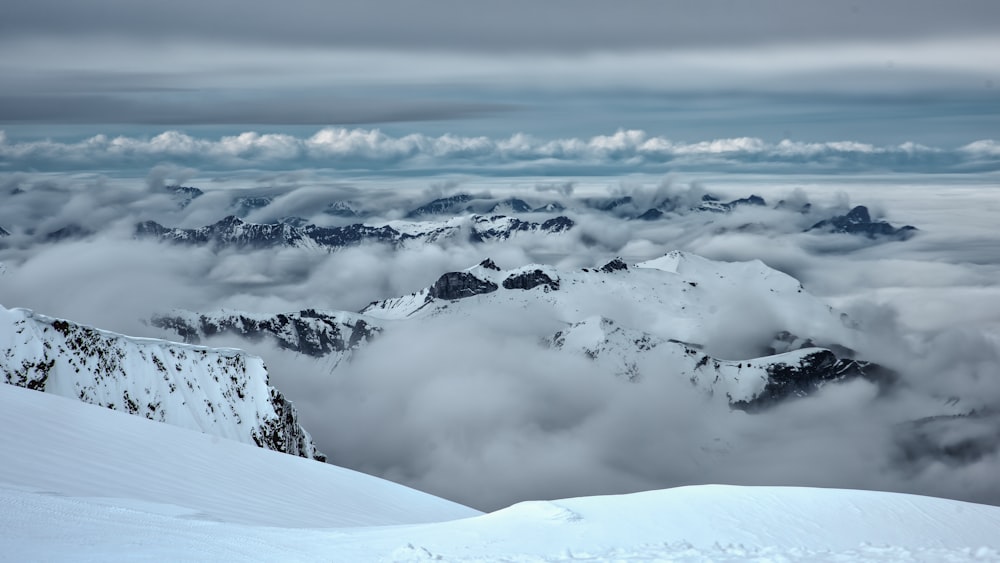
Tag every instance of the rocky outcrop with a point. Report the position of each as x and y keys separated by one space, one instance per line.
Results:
x=532 y=279
x=614 y=266
x=311 y=332
x=858 y=221
x=954 y=440
x=558 y=224
x=809 y=374
x=459 y=285
x=440 y=206
x=235 y=232
x=221 y=392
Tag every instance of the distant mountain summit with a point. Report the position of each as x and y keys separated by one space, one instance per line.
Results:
x=235 y=232
x=858 y=221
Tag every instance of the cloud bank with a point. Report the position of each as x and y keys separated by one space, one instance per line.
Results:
x=478 y=411
x=371 y=150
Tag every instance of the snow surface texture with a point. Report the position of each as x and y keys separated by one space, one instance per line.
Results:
x=220 y=392
x=85 y=494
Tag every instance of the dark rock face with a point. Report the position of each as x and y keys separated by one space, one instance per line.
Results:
x=284 y=433
x=528 y=280
x=859 y=222
x=954 y=440
x=481 y=234
x=610 y=204
x=651 y=215
x=196 y=388
x=440 y=206
x=490 y=265
x=68 y=232
x=614 y=266
x=335 y=237
x=553 y=207
x=233 y=231
x=245 y=205
x=341 y=209
x=712 y=203
x=558 y=224
x=184 y=195
x=458 y=285
x=786 y=381
x=4 y=232
x=516 y=205
x=309 y=332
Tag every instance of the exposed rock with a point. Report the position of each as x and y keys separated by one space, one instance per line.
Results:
x=311 y=332
x=651 y=215
x=458 y=285
x=614 y=266
x=511 y=205
x=553 y=207
x=812 y=372
x=68 y=232
x=490 y=265
x=440 y=206
x=954 y=440
x=223 y=392
x=558 y=224
x=245 y=205
x=184 y=195
x=529 y=280
x=858 y=222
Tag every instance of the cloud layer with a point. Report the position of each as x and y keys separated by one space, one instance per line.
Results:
x=371 y=150
x=478 y=411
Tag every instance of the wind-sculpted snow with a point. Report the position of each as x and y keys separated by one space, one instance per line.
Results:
x=234 y=232
x=220 y=392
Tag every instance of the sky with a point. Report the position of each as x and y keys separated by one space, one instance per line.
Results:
x=885 y=73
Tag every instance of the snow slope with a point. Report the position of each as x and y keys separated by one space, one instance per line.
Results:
x=72 y=487
x=65 y=448
x=223 y=392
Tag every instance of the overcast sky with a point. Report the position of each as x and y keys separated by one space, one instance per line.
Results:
x=515 y=25
x=889 y=71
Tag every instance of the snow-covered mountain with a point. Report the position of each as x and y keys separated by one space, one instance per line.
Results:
x=656 y=319
x=84 y=483
x=311 y=332
x=217 y=391
x=683 y=296
x=747 y=384
x=234 y=232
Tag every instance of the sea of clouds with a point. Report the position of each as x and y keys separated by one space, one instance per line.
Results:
x=480 y=412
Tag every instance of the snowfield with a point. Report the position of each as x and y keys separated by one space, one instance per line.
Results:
x=80 y=482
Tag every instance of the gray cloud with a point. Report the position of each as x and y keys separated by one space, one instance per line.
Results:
x=520 y=25
x=372 y=150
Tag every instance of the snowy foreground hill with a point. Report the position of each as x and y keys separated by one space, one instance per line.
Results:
x=80 y=482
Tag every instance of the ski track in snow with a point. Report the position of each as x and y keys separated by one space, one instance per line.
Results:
x=80 y=482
